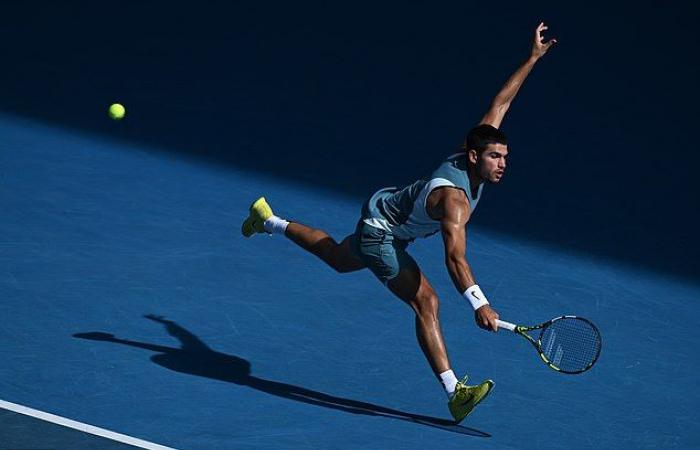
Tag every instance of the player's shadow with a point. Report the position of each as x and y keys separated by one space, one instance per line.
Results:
x=194 y=357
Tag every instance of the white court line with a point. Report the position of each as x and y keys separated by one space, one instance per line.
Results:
x=85 y=428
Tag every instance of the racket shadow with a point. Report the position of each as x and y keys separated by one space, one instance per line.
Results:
x=194 y=357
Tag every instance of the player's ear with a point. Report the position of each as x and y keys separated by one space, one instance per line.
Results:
x=472 y=156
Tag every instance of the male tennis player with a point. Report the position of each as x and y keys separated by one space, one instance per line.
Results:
x=392 y=218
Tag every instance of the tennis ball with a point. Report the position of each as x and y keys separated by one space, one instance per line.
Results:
x=117 y=111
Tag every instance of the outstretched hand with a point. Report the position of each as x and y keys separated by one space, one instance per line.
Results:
x=486 y=318
x=539 y=45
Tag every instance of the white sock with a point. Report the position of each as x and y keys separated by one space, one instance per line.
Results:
x=449 y=381
x=275 y=225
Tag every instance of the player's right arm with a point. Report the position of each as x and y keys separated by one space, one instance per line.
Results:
x=454 y=214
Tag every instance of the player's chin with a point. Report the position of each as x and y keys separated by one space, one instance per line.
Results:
x=496 y=178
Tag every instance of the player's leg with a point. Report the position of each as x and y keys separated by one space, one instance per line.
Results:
x=411 y=286
x=387 y=258
x=340 y=256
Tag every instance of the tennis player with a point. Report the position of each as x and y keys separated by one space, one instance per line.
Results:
x=392 y=218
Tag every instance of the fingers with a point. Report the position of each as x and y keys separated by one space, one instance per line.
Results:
x=493 y=323
x=482 y=322
x=540 y=46
x=538 y=31
x=548 y=44
x=488 y=324
x=487 y=321
x=538 y=35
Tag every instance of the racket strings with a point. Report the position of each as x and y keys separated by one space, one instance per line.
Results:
x=571 y=344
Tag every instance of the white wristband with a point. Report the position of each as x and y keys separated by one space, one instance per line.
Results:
x=474 y=295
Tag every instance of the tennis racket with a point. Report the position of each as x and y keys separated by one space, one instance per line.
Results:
x=567 y=344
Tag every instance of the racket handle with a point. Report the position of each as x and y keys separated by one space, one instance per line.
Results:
x=506 y=325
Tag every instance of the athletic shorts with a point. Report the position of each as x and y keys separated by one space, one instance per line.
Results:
x=383 y=253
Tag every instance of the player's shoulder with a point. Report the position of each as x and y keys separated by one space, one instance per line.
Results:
x=448 y=201
x=452 y=194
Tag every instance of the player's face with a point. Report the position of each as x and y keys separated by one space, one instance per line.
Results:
x=491 y=164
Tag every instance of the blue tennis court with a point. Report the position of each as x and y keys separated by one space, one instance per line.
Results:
x=135 y=315
x=131 y=303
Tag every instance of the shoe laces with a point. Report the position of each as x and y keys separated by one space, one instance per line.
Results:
x=462 y=390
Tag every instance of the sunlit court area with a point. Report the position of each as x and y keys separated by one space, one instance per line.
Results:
x=148 y=300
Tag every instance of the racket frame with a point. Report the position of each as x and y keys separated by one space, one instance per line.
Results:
x=523 y=330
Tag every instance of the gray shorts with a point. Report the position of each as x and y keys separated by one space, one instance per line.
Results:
x=383 y=253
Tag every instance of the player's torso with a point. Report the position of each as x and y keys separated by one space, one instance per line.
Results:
x=406 y=212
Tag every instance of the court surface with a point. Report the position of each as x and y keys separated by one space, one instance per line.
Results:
x=130 y=302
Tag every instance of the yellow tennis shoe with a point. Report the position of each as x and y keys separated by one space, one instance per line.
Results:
x=260 y=211
x=465 y=398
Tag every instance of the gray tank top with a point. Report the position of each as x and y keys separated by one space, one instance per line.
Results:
x=402 y=211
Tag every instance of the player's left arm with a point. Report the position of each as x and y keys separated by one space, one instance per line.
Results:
x=500 y=104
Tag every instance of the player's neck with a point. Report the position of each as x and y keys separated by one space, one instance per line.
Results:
x=474 y=180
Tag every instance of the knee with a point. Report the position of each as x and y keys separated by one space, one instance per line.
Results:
x=341 y=268
x=337 y=265
x=328 y=252
x=426 y=306
x=342 y=261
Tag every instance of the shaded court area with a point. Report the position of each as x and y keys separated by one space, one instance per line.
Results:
x=131 y=302
x=319 y=92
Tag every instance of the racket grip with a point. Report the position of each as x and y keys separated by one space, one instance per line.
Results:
x=506 y=325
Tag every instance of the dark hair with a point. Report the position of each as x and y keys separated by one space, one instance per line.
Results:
x=482 y=135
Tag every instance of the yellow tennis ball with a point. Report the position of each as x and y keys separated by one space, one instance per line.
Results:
x=117 y=111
